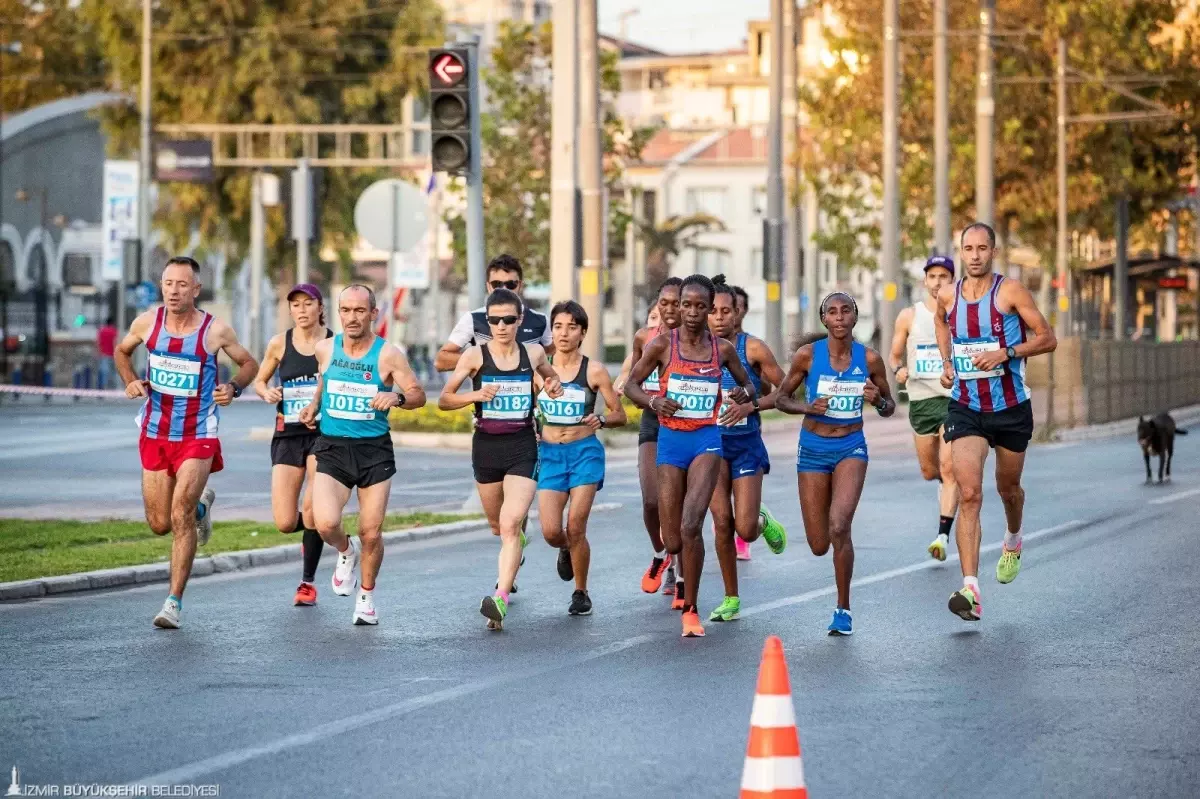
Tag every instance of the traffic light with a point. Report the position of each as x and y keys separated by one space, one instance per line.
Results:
x=450 y=110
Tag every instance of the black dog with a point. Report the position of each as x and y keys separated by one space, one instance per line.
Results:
x=1157 y=437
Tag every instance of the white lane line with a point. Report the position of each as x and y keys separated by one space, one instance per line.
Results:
x=900 y=572
x=192 y=771
x=1191 y=492
x=235 y=757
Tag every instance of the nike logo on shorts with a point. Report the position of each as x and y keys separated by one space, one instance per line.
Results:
x=711 y=449
x=745 y=471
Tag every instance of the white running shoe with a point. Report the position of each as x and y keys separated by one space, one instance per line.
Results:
x=168 y=617
x=345 y=579
x=364 y=609
x=204 y=526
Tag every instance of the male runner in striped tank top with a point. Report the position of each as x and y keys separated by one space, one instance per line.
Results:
x=178 y=422
x=916 y=362
x=983 y=326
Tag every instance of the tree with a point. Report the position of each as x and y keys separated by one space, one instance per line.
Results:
x=1150 y=160
x=56 y=54
x=667 y=239
x=516 y=150
x=285 y=61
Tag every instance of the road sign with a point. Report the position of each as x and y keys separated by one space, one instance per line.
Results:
x=119 y=215
x=391 y=215
x=144 y=295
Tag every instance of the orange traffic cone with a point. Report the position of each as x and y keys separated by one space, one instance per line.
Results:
x=773 y=769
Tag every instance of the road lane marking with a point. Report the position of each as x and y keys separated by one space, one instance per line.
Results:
x=1191 y=492
x=235 y=757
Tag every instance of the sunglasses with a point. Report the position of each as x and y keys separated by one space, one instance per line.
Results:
x=511 y=285
x=502 y=320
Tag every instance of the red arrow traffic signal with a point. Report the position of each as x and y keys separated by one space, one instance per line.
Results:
x=449 y=69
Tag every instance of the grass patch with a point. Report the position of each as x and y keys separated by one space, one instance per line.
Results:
x=46 y=548
x=429 y=419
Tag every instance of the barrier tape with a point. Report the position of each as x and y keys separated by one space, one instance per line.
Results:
x=94 y=393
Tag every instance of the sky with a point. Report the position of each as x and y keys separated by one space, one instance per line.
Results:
x=682 y=26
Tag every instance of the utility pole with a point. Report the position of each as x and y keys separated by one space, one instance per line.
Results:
x=563 y=171
x=629 y=323
x=435 y=270
x=302 y=222
x=889 y=260
x=773 y=225
x=476 y=291
x=941 y=132
x=145 y=214
x=985 y=117
x=258 y=228
x=590 y=181
x=1060 y=254
x=1121 y=269
x=791 y=146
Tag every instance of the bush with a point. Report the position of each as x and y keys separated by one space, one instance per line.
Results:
x=430 y=419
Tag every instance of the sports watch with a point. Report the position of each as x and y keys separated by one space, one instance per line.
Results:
x=1011 y=352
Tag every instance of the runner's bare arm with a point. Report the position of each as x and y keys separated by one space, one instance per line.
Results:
x=772 y=375
x=652 y=357
x=941 y=327
x=227 y=341
x=460 y=338
x=270 y=362
x=550 y=382
x=623 y=375
x=401 y=376
x=1044 y=340
x=323 y=352
x=123 y=355
x=900 y=345
x=468 y=364
x=600 y=382
x=878 y=391
x=797 y=372
x=729 y=360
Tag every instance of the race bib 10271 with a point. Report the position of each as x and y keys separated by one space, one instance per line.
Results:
x=176 y=375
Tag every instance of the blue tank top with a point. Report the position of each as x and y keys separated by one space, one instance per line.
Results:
x=844 y=389
x=752 y=423
x=349 y=386
x=977 y=327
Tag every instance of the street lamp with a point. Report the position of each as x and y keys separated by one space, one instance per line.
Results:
x=41 y=292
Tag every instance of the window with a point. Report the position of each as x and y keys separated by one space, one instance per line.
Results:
x=706 y=201
x=756 y=261
x=712 y=262
x=758 y=200
x=77 y=272
x=657 y=79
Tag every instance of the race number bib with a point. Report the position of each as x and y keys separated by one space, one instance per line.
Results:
x=966 y=349
x=176 y=375
x=697 y=396
x=296 y=397
x=725 y=405
x=845 y=397
x=567 y=409
x=351 y=401
x=651 y=383
x=513 y=402
x=928 y=365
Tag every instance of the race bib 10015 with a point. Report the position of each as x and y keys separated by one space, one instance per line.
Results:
x=845 y=396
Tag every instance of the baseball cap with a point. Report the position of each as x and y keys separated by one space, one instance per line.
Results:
x=944 y=261
x=307 y=288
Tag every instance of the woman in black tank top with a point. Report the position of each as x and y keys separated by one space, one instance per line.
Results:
x=571 y=457
x=291 y=355
x=504 y=447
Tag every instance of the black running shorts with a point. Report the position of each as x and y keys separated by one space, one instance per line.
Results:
x=356 y=462
x=292 y=450
x=1009 y=429
x=495 y=456
x=648 y=429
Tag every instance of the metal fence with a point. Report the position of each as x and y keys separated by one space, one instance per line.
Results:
x=1123 y=379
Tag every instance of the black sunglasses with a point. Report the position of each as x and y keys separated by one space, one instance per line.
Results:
x=507 y=320
x=511 y=285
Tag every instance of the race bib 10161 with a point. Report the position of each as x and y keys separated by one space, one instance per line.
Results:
x=567 y=409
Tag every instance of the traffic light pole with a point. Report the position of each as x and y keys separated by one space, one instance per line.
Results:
x=475 y=246
x=773 y=225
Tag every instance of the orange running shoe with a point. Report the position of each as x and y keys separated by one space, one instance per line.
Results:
x=677 y=602
x=652 y=579
x=691 y=624
x=306 y=594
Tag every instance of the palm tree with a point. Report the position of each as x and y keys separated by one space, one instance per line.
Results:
x=667 y=239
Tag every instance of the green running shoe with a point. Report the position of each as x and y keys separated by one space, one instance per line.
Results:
x=728 y=610
x=966 y=604
x=494 y=608
x=524 y=542
x=773 y=532
x=1009 y=566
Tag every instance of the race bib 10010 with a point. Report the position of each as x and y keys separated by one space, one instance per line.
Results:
x=350 y=401
x=513 y=400
x=567 y=409
x=964 y=352
x=697 y=396
x=176 y=375
x=845 y=396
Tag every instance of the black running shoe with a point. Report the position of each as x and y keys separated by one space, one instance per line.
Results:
x=565 y=570
x=581 y=604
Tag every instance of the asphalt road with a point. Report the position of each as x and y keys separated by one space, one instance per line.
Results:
x=1080 y=681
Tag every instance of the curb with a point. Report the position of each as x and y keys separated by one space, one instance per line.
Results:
x=409 y=439
x=1182 y=416
x=223 y=563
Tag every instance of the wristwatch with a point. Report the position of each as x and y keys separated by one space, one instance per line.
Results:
x=603 y=420
x=754 y=402
x=1011 y=352
x=237 y=390
x=399 y=399
x=897 y=369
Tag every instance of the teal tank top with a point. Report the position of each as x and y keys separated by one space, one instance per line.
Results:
x=346 y=393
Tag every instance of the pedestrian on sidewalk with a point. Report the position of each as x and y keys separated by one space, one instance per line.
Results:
x=106 y=342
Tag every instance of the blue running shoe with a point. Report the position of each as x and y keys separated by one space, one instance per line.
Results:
x=842 y=624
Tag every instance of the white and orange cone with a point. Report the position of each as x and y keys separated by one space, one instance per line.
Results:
x=773 y=768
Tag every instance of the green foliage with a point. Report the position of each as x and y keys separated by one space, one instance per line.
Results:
x=1151 y=160
x=272 y=61
x=516 y=150
x=58 y=54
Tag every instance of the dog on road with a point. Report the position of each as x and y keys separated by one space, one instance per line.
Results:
x=1157 y=437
